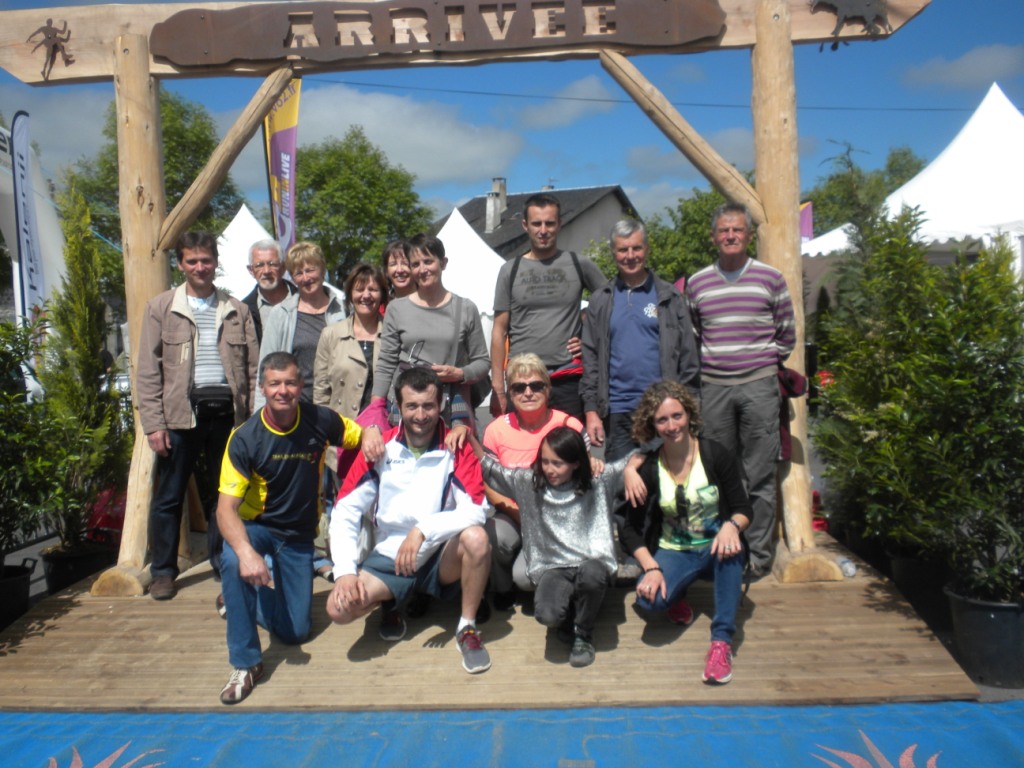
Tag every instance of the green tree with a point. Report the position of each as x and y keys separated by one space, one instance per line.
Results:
x=851 y=195
x=92 y=443
x=682 y=245
x=923 y=440
x=189 y=138
x=351 y=200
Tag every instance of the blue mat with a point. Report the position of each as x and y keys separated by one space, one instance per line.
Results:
x=943 y=735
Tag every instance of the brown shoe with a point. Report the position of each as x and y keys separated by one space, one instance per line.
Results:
x=240 y=684
x=162 y=588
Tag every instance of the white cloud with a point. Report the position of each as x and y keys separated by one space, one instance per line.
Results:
x=588 y=96
x=655 y=198
x=686 y=71
x=65 y=122
x=429 y=139
x=978 y=68
x=649 y=164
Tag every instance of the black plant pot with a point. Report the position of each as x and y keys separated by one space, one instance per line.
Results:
x=922 y=583
x=14 y=590
x=62 y=568
x=989 y=638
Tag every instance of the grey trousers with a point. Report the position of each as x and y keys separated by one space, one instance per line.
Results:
x=745 y=419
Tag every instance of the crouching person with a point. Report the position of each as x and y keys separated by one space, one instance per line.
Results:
x=568 y=533
x=428 y=524
x=269 y=505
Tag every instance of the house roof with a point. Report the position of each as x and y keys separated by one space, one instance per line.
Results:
x=509 y=239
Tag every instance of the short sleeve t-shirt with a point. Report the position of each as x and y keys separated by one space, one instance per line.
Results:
x=277 y=474
x=516 y=448
x=544 y=304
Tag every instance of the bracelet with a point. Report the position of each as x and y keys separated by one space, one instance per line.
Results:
x=738 y=528
x=654 y=568
x=374 y=426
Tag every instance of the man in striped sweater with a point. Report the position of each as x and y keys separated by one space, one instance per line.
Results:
x=743 y=315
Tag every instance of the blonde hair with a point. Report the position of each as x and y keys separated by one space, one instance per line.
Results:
x=303 y=253
x=522 y=365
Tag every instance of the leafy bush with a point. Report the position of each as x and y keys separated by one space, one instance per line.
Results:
x=924 y=437
x=25 y=475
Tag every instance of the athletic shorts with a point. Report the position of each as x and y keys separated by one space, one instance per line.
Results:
x=426 y=580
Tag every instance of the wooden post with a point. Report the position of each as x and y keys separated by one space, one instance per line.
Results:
x=216 y=169
x=778 y=181
x=146 y=273
x=723 y=176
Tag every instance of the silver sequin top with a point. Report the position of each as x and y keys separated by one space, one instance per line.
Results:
x=560 y=528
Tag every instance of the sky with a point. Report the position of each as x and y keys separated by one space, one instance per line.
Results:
x=567 y=124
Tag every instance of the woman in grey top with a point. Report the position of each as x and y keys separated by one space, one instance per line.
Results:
x=431 y=327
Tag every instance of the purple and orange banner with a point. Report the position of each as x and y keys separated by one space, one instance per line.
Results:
x=280 y=137
x=806 y=221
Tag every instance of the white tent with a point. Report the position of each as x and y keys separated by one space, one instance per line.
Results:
x=233 y=245
x=970 y=192
x=472 y=267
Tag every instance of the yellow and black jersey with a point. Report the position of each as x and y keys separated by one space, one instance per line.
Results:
x=277 y=474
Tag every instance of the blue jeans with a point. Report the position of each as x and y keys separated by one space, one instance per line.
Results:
x=283 y=610
x=681 y=569
x=199 y=450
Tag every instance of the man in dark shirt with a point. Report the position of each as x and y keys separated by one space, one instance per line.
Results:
x=270 y=505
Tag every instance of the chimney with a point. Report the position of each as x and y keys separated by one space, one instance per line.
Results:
x=498 y=185
x=493 y=212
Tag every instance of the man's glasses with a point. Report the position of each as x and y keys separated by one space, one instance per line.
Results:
x=260 y=266
x=519 y=387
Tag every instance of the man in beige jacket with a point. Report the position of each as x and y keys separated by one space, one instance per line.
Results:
x=195 y=382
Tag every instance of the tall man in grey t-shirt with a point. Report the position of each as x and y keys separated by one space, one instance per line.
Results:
x=537 y=308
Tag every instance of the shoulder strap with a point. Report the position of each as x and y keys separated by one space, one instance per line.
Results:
x=579 y=270
x=512 y=280
x=458 y=308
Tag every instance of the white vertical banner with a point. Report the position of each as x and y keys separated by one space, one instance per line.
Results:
x=31 y=290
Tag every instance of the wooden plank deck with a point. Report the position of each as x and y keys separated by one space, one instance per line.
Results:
x=855 y=641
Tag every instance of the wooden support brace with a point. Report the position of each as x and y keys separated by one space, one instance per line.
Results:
x=723 y=176
x=778 y=239
x=216 y=170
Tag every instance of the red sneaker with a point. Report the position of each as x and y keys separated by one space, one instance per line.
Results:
x=718 y=663
x=681 y=612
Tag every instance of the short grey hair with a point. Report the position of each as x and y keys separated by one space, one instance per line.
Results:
x=266 y=244
x=728 y=208
x=626 y=228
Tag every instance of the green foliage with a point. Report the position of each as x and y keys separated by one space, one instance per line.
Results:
x=351 y=201
x=189 y=138
x=924 y=441
x=682 y=245
x=851 y=195
x=91 y=445
x=25 y=476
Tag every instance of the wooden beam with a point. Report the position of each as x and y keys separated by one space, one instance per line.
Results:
x=723 y=176
x=95 y=28
x=778 y=239
x=146 y=273
x=216 y=170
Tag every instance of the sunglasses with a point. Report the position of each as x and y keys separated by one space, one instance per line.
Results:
x=519 y=387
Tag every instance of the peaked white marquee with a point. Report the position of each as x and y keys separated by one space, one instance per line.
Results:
x=970 y=193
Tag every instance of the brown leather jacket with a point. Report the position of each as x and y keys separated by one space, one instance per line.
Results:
x=167 y=354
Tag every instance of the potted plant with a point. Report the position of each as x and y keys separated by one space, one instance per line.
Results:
x=24 y=483
x=925 y=432
x=91 y=446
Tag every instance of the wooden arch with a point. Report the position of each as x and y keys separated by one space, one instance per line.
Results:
x=136 y=46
